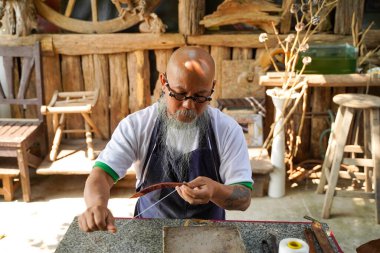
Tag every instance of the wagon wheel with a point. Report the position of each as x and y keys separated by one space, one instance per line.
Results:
x=80 y=26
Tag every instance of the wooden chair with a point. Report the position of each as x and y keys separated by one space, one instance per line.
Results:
x=23 y=126
x=63 y=103
x=349 y=106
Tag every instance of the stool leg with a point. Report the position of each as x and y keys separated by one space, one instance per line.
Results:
x=375 y=140
x=92 y=124
x=22 y=160
x=55 y=121
x=8 y=188
x=90 y=147
x=330 y=152
x=57 y=139
x=341 y=139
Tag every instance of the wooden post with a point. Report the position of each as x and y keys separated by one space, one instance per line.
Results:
x=139 y=77
x=219 y=54
x=119 y=89
x=190 y=12
x=72 y=80
x=286 y=19
x=343 y=17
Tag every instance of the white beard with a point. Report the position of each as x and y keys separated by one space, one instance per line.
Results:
x=180 y=138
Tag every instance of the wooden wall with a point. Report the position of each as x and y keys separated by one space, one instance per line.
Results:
x=123 y=75
x=120 y=65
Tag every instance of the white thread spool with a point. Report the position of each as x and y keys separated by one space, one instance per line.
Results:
x=293 y=245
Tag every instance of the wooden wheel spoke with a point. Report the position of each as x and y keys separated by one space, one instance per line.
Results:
x=64 y=21
x=94 y=11
x=69 y=8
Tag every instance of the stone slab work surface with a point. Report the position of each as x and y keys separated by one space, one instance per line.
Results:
x=146 y=235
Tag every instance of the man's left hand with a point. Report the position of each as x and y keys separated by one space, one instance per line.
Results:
x=203 y=190
x=199 y=191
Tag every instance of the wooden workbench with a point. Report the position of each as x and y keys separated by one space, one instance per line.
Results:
x=146 y=235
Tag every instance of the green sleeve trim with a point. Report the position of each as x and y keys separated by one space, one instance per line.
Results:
x=108 y=170
x=246 y=184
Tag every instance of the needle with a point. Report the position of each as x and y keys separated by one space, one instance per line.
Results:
x=155 y=203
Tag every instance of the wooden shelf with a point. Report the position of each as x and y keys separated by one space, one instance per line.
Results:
x=273 y=79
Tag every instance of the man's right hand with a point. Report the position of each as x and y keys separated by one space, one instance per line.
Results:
x=97 y=218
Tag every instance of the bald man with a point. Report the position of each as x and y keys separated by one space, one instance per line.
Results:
x=178 y=139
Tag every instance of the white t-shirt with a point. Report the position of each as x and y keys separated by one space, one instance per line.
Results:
x=129 y=144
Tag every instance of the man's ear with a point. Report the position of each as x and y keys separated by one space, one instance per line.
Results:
x=213 y=86
x=163 y=80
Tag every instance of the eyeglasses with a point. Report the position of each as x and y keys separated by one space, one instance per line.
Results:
x=183 y=97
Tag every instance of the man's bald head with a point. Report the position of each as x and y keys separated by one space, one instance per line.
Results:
x=193 y=63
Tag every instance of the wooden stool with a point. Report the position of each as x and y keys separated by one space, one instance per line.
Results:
x=80 y=102
x=349 y=104
x=8 y=172
x=261 y=168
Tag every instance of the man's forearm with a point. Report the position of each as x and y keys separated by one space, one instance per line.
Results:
x=232 y=197
x=97 y=188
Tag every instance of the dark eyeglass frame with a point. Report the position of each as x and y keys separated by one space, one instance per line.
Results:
x=182 y=97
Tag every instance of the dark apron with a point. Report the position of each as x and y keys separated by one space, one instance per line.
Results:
x=204 y=161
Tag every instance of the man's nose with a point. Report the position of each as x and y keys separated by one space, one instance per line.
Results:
x=188 y=103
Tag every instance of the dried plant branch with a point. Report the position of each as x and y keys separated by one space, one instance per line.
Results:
x=361 y=41
x=369 y=54
x=358 y=41
x=298 y=138
x=268 y=141
x=314 y=12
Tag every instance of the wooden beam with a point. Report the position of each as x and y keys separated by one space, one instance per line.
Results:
x=114 y=43
x=82 y=44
